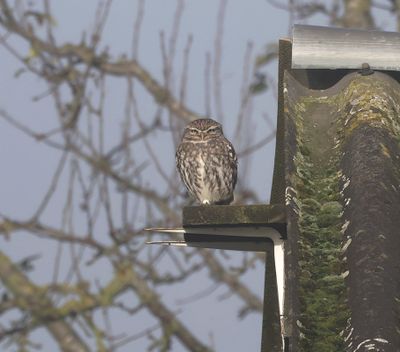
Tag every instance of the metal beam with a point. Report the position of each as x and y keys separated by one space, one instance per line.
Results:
x=244 y=238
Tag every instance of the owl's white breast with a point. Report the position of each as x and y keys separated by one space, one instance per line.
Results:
x=205 y=193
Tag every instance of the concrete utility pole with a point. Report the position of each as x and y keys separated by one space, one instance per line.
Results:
x=341 y=156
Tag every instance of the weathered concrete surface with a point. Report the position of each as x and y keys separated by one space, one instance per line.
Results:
x=369 y=183
x=342 y=173
x=230 y=215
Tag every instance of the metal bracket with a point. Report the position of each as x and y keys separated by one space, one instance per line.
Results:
x=239 y=238
x=365 y=70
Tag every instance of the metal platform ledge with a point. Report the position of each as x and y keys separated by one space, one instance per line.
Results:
x=271 y=215
x=239 y=227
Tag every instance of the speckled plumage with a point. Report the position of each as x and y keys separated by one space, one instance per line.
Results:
x=207 y=162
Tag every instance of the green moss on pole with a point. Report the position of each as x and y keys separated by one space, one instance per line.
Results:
x=341 y=144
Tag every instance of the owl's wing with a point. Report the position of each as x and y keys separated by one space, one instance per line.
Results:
x=232 y=161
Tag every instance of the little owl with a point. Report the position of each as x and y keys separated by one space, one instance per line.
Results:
x=207 y=162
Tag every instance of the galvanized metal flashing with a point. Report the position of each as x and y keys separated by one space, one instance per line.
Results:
x=317 y=47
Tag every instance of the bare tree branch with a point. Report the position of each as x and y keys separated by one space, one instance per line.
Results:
x=84 y=54
x=33 y=299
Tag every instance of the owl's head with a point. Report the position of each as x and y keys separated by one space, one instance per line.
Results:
x=202 y=130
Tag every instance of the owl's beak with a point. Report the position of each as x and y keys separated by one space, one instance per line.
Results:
x=202 y=136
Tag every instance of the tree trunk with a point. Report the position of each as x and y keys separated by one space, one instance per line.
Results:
x=357 y=14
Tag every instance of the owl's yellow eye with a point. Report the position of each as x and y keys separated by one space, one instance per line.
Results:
x=194 y=131
x=213 y=130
